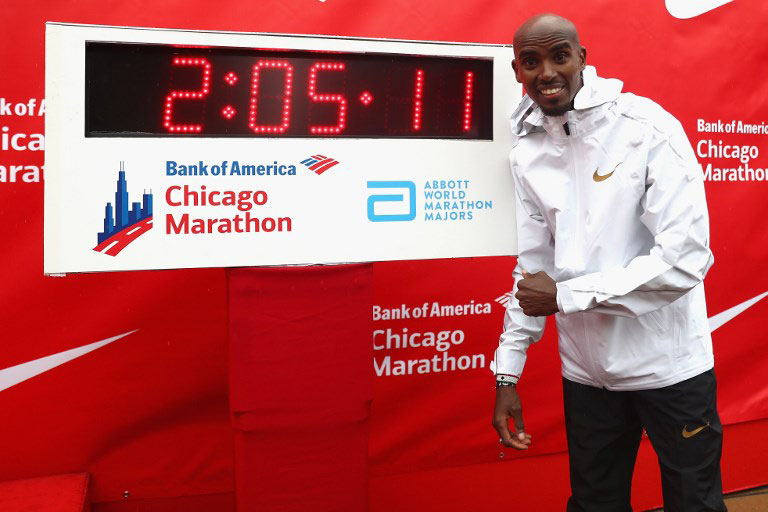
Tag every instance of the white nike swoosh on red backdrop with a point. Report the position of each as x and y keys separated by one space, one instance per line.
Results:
x=729 y=314
x=686 y=9
x=25 y=371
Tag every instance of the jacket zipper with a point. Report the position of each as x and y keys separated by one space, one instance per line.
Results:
x=575 y=159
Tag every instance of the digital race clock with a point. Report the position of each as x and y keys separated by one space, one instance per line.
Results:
x=179 y=148
x=140 y=89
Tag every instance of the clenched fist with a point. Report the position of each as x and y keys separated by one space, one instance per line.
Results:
x=537 y=294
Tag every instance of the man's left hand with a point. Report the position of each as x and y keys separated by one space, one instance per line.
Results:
x=537 y=294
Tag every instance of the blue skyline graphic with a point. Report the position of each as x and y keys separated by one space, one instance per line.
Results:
x=120 y=217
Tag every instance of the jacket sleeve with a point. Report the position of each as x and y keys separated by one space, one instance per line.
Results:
x=535 y=253
x=674 y=210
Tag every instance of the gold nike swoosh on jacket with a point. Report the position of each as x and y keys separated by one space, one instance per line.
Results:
x=602 y=177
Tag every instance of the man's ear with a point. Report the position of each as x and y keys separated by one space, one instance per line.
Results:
x=583 y=57
x=517 y=74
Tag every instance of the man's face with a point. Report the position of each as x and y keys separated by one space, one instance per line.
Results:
x=549 y=64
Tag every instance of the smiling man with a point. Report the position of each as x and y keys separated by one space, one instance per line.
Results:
x=553 y=41
x=613 y=239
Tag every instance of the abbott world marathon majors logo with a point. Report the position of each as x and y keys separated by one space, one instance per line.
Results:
x=124 y=221
x=444 y=201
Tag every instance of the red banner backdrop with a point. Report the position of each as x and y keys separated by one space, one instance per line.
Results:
x=147 y=415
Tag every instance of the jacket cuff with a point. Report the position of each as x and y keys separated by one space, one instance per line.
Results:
x=508 y=362
x=565 y=302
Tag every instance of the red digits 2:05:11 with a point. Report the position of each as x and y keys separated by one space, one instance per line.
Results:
x=287 y=69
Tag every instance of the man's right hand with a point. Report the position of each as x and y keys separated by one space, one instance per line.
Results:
x=508 y=406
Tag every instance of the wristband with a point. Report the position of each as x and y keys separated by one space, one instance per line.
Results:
x=507 y=379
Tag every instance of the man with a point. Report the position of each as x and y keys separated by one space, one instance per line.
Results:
x=613 y=238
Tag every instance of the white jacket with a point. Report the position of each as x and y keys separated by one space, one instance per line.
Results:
x=615 y=213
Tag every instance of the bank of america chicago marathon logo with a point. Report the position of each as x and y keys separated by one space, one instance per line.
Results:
x=123 y=225
x=319 y=163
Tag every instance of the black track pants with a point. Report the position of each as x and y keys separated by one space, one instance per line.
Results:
x=604 y=429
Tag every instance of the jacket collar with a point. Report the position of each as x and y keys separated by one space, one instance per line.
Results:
x=596 y=91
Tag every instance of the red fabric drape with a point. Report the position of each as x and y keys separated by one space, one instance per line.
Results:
x=301 y=383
